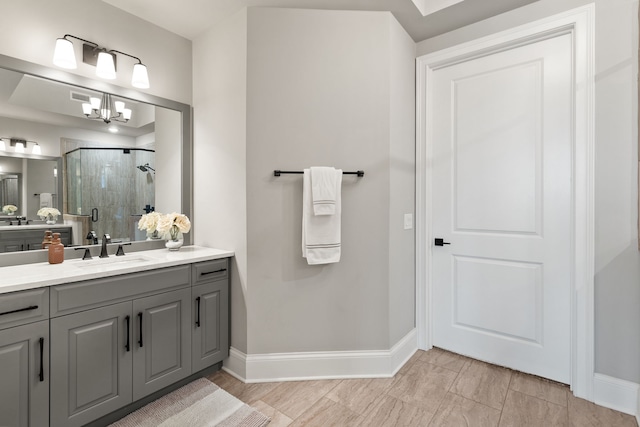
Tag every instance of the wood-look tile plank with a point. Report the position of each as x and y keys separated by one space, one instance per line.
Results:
x=444 y=359
x=278 y=419
x=248 y=393
x=459 y=411
x=326 y=412
x=391 y=412
x=359 y=395
x=294 y=398
x=424 y=385
x=483 y=383
x=586 y=414
x=412 y=360
x=522 y=410
x=540 y=388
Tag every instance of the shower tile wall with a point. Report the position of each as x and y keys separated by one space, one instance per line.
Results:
x=108 y=180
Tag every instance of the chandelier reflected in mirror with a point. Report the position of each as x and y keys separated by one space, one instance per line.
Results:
x=106 y=109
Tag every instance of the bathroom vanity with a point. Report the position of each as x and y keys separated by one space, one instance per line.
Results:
x=16 y=238
x=84 y=339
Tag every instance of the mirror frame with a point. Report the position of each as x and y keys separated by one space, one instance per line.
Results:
x=186 y=152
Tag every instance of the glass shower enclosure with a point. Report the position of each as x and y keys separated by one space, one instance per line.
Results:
x=113 y=186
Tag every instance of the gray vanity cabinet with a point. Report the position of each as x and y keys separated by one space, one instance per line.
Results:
x=16 y=239
x=24 y=358
x=124 y=337
x=90 y=364
x=11 y=244
x=73 y=353
x=162 y=345
x=24 y=370
x=107 y=357
x=210 y=323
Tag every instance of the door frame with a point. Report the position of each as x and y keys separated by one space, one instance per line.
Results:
x=580 y=23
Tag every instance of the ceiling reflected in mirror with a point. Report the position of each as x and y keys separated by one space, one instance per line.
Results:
x=35 y=99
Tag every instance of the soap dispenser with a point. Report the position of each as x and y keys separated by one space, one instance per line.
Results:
x=56 y=250
x=48 y=239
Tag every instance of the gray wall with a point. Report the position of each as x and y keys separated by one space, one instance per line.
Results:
x=220 y=127
x=167 y=161
x=322 y=88
x=617 y=260
x=402 y=155
x=39 y=23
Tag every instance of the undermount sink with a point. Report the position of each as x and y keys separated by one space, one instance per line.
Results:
x=115 y=261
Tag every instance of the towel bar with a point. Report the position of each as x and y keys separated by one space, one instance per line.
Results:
x=278 y=172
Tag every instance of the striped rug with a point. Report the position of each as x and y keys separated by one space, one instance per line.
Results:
x=197 y=404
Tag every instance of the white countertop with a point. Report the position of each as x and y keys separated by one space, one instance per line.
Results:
x=38 y=275
x=32 y=227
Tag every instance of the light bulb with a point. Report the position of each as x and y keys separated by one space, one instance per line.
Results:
x=86 y=109
x=2 y=146
x=126 y=113
x=105 y=67
x=36 y=149
x=19 y=147
x=119 y=106
x=63 y=55
x=140 y=78
x=95 y=103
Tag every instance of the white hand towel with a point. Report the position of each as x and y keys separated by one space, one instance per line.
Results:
x=320 y=233
x=46 y=200
x=323 y=190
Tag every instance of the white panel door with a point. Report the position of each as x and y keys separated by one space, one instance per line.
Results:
x=501 y=192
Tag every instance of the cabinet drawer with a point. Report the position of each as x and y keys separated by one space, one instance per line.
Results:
x=18 y=308
x=74 y=297
x=210 y=270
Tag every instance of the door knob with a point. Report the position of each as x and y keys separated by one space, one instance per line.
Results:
x=440 y=242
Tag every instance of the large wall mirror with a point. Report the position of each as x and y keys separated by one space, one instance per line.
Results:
x=102 y=175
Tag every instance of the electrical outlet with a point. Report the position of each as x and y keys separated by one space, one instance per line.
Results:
x=408 y=221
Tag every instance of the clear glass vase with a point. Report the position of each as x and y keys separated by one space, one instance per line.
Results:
x=175 y=239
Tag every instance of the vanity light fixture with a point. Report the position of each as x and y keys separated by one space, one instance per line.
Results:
x=19 y=145
x=106 y=109
x=103 y=59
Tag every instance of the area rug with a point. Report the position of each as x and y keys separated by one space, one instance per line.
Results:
x=197 y=404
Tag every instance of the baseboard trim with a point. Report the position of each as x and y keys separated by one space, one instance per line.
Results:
x=638 y=410
x=236 y=364
x=617 y=394
x=256 y=368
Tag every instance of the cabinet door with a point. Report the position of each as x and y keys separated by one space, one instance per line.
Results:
x=12 y=245
x=90 y=364
x=32 y=243
x=210 y=324
x=24 y=370
x=162 y=347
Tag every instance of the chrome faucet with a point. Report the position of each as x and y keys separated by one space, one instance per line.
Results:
x=105 y=239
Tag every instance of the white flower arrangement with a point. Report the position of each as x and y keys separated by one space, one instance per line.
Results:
x=45 y=213
x=149 y=222
x=172 y=224
x=9 y=209
x=167 y=225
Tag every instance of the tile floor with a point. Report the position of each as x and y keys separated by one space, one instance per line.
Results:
x=434 y=388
